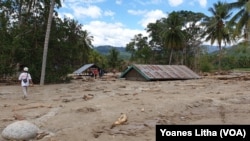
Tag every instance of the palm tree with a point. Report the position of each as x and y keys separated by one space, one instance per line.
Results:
x=215 y=26
x=45 y=51
x=84 y=46
x=241 y=18
x=173 y=36
x=113 y=58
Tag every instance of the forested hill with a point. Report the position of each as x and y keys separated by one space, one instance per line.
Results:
x=104 y=50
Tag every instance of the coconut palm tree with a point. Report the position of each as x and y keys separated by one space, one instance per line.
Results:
x=46 y=42
x=241 y=17
x=85 y=46
x=215 y=26
x=173 y=36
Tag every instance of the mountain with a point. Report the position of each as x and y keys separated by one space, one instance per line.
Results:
x=104 y=50
x=238 y=50
x=210 y=49
x=214 y=49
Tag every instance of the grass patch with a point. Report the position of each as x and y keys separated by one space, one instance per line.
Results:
x=242 y=69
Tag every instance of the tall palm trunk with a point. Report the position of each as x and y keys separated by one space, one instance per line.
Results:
x=170 y=57
x=220 y=56
x=45 y=50
x=248 y=23
x=20 y=19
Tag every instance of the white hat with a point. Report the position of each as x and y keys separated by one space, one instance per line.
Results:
x=25 y=69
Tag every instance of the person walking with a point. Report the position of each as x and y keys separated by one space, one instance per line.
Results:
x=26 y=81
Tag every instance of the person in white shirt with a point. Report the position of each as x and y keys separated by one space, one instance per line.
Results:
x=26 y=81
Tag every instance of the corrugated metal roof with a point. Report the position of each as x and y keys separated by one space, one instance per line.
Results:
x=161 y=72
x=83 y=68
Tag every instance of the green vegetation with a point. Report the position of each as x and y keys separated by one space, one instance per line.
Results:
x=176 y=39
x=241 y=69
x=216 y=28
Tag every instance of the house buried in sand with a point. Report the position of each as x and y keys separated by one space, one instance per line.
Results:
x=140 y=72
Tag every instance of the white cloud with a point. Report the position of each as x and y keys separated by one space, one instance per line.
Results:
x=137 y=12
x=156 y=1
x=203 y=3
x=114 y=34
x=90 y=11
x=151 y=17
x=82 y=1
x=175 y=3
x=148 y=16
x=149 y=2
x=66 y=15
x=64 y=5
x=119 y=2
x=109 y=13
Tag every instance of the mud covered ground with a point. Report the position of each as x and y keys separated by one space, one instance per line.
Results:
x=85 y=110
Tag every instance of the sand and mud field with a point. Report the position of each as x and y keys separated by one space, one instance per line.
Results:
x=86 y=110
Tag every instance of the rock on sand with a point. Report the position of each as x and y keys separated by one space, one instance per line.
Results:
x=20 y=130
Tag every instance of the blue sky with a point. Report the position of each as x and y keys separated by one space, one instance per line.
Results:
x=115 y=22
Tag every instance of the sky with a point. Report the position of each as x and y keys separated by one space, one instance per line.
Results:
x=116 y=22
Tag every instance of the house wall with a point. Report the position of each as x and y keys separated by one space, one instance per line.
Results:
x=134 y=75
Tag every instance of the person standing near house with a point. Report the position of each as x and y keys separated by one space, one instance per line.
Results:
x=100 y=73
x=95 y=71
x=26 y=81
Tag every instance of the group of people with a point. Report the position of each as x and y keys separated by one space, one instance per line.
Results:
x=95 y=72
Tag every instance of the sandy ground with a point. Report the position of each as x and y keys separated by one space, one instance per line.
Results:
x=86 y=110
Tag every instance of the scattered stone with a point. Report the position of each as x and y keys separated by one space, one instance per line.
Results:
x=20 y=130
x=88 y=97
x=41 y=135
x=142 y=110
x=18 y=117
x=86 y=110
x=65 y=100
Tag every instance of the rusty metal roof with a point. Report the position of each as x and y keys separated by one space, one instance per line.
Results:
x=161 y=72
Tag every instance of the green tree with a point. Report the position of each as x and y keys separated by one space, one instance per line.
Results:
x=130 y=47
x=154 y=30
x=113 y=58
x=189 y=31
x=22 y=41
x=173 y=36
x=241 y=17
x=193 y=31
x=140 y=50
x=160 y=53
x=67 y=48
x=20 y=23
x=215 y=26
x=95 y=57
